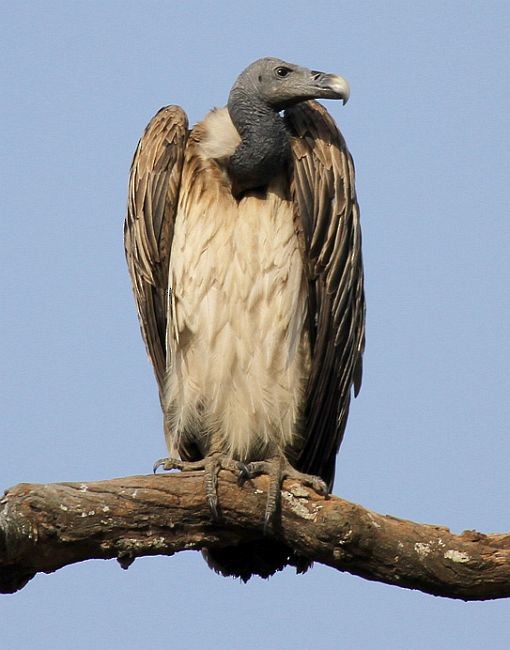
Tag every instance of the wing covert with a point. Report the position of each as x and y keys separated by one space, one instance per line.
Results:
x=153 y=194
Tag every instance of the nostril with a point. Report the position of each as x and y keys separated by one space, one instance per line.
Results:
x=316 y=75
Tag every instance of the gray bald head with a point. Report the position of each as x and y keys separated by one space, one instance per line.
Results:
x=280 y=84
x=265 y=88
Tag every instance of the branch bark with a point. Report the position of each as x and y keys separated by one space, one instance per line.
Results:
x=45 y=527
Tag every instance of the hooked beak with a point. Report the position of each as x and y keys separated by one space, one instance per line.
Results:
x=331 y=86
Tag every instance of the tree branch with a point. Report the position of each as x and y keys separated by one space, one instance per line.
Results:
x=45 y=527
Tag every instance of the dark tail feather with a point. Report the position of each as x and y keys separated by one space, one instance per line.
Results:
x=262 y=557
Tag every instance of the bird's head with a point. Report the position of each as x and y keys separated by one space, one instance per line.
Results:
x=280 y=84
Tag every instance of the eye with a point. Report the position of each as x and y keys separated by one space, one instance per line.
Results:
x=282 y=72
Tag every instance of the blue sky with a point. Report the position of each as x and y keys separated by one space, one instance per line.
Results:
x=428 y=126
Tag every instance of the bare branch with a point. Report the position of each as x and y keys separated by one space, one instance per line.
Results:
x=45 y=527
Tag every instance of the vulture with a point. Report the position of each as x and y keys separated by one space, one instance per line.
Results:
x=243 y=243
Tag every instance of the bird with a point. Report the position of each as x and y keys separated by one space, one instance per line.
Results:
x=243 y=243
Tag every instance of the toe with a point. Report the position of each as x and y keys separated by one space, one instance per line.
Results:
x=320 y=486
x=165 y=463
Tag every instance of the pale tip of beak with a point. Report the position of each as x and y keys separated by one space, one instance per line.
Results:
x=341 y=86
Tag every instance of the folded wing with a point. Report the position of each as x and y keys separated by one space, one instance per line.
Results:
x=154 y=183
x=327 y=219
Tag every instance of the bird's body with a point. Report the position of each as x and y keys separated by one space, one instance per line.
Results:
x=243 y=244
x=238 y=346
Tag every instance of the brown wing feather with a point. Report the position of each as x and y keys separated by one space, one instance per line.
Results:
x=327 y=218
x=148 y=230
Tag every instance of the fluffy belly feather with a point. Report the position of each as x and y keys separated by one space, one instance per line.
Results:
x=238 y=352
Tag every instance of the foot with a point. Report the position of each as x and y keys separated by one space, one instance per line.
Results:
x=278 y=469
x=211 y=466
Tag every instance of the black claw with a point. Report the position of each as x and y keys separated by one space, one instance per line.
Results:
x=244 y=473
x=213 y=506
x=268 y=522
x=157 y=465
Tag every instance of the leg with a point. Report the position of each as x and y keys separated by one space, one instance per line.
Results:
x=278 y=469
x=211 y=465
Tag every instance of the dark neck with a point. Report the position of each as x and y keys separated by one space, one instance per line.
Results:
x=264 y=150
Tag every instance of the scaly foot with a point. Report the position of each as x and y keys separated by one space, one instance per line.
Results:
x=211 y=466
x=278 y=469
